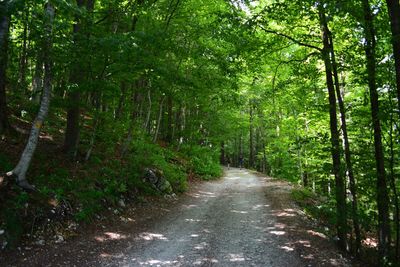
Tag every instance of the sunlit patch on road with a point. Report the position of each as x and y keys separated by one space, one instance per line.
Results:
x=236 y=257
x=277 y=232
x=152 y=236
x=204 y=261
x=314 y=233
x=110 y=236
x=239 y=211
x=287 y=248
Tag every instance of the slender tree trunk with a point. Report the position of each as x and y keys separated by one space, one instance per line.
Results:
x=264 y=158
x=347 y=153
x=382 y=191
x=23 y=56
x=159 y=119
x=37 y=81
x=170 y=122
x=335 y=149
x=121 y=101
x=92 y=138
x=394 y=188
x=222 y=154
x=20 y=170
x=148 y=116
x=251 y=143
x=4 y=31
x=394 y=14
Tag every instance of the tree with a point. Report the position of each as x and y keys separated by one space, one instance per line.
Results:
x=22 y=167
x=394 y=15
x=335 y=150
x=382 y=194
x=75 y=79
x=4 y=31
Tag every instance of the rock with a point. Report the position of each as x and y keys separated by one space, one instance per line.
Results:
x=165 y=187
x=59 y=239
x=4 y=244
x=157 y=180
x=2 y=231
x=72 y=226
x=122 y=203
x=40 y=242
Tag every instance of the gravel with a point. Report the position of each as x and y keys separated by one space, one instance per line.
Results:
x=241 y=220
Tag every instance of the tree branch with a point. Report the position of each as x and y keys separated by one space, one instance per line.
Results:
x=290 y=38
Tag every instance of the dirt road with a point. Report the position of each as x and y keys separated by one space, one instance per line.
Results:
x=241 y=220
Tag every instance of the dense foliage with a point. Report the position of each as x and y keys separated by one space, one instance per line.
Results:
x=303 y=90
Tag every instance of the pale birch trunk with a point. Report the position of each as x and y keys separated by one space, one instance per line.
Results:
x=20 y=170
x=147 y=123
x=159 y=120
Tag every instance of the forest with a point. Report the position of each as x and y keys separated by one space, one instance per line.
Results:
x=95 y=93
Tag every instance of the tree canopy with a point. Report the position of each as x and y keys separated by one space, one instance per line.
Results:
x=307 y=91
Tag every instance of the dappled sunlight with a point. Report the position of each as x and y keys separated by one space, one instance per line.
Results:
x=285 y=213
x=236 y=257
x=204 y=261
x=233 y=177
x=277 y=232
x=201 y=194
x=370 y=242
x=304 y=243
x=287 y=248
x=257 y=207
x=205 y=240
x=193 y=220
x=189 y=206
x=308 y=257
x=201 y=246
x=110 y=236
x=239 y=211
x=280 y=225
x=152 y=236
x=314 y=233
x=157 y=262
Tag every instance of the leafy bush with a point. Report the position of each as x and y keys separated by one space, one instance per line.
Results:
x=314 y=205
x=204 y=161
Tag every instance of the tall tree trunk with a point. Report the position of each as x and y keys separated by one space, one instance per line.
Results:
x=335 y=149
x=393 y=187
x=382 y=191
x=4 y=31
x=73 y=113
x=347 y=153
x=394 y=14
x=20 y=170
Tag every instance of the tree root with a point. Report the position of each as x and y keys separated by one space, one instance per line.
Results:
x=23 y=183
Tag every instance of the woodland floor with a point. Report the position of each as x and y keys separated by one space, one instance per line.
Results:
x=241 y=220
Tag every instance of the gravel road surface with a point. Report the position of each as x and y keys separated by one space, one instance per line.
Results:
x=241 y=220
x=226 y=223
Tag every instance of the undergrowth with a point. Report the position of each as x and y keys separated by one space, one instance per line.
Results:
x=80 y=190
